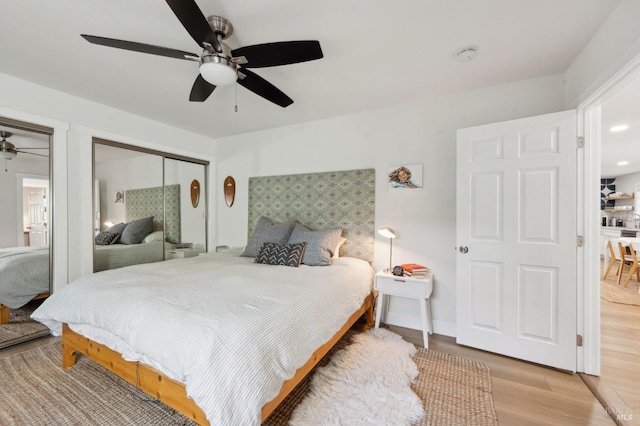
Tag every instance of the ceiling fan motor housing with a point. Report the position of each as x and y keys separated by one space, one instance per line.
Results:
x=221 y=26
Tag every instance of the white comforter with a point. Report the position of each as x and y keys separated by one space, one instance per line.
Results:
x=231 y=330
x=24 y=273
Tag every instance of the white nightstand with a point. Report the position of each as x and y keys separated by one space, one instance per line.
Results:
x=409 y=287
x=181 y=253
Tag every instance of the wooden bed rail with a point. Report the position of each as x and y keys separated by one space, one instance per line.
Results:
x=5 y=310
x=173 y=393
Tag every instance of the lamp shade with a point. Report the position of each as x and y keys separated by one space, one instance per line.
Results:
x=387 y=232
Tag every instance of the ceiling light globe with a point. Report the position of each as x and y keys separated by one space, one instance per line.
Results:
x=218 y=71
x=7 y=150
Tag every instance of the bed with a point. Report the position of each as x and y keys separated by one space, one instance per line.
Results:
x=120 y=255
x=24 y=276
x=219 y=337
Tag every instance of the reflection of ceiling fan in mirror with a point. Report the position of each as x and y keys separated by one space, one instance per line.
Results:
x=8 y=150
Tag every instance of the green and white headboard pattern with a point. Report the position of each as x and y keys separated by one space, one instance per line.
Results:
x=344 y=199
x=147 y=202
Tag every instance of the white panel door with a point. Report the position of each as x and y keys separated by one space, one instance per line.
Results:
x=516 y=235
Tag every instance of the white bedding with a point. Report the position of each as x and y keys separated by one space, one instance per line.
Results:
x=231 y=330
x=24 y=273
x=120 y=255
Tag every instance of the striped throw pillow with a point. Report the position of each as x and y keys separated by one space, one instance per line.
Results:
x=281 y=254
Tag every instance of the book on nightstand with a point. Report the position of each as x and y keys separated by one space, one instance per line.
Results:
x=414 y=269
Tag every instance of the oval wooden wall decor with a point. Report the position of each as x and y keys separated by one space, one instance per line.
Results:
x=229 y=190
x=195 y=193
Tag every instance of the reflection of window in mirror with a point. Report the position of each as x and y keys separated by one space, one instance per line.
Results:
x=25 y=228
x=141 y=213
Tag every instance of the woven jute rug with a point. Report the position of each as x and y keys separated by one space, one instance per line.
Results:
x=35 y=390
x=612 y=292
x=20 y=326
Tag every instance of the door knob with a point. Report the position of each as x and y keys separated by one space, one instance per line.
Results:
x=463 y=249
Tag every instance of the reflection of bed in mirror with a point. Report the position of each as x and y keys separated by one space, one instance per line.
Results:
x=161 y=204
x=121 y=255
x=24 y=276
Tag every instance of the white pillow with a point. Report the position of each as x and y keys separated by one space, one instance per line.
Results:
x=336 y=252
x=154 y=236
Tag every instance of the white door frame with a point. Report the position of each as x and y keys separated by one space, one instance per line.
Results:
x=589 y=221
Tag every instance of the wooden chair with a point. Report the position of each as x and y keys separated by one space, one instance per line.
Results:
x=628 y=259
x=612 y=260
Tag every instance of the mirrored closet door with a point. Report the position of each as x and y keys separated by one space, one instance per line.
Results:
x=148 y=206
x=25 y=228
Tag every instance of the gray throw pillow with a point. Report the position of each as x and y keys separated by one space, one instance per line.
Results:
x=321 y=245
x=136 y=230
x=281 y=254
x=267 y=231
x=117 y=229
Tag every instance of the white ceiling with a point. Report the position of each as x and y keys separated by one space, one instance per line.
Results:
x=622 y=108
x=375 y=53
x=374 y=56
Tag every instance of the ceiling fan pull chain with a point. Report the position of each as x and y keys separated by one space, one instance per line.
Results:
x=236 y=107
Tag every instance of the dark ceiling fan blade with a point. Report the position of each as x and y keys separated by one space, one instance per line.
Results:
x=194 y=21
x=201 y=90
x=262 y=87
x=141 y=47
x=32 y=153
x=31 y=148
x=279 y=53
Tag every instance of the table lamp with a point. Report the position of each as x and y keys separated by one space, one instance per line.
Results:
x=388 y=232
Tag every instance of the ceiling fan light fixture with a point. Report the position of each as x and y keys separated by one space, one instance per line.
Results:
x=218 y=70
x=7 y=150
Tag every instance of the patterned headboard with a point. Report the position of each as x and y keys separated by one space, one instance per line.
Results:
x=147 y=202
x=344 y=199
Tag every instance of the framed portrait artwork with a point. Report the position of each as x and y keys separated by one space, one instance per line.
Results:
x=405 y=177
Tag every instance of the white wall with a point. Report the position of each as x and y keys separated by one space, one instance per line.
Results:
x=414 y=133
x=143 y=171
x=87 y=119
x=614 y=45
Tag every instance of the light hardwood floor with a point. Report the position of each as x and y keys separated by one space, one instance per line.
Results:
x=528 y=394
x=525 y=393
x=618 y=385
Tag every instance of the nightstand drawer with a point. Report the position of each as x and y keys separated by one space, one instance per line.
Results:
x=400 y=286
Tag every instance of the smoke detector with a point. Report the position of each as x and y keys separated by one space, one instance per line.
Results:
x=467 y=54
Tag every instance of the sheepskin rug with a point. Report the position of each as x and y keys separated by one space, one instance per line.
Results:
x=366 y=383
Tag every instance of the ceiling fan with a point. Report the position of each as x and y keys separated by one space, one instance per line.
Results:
x=8 y=150
x=219 y=64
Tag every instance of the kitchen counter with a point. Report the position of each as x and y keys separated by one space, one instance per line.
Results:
x=620 y=228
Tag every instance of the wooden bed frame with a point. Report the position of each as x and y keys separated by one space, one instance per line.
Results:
x=5 y=310
x=173 y=393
